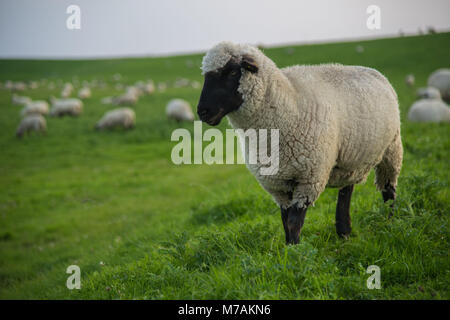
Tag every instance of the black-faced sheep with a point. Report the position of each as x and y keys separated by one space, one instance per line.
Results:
x=335 y=124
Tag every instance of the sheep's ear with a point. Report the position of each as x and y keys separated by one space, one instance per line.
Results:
x=249 y=64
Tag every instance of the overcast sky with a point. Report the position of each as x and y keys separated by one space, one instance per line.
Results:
x=37 y=28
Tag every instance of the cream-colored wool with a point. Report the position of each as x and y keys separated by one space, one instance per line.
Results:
x=20 y=100
x=429 y=110
x=84 y=93
x=180 y=110
x=128 y=98
x=32 y=122
x=429 y=93
x=67 y=90
x=336 y=123
x=62 y=107
x=122 y=117
x=35 y=107
x=440 y=79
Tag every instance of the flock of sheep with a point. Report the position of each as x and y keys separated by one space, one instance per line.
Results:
x=34 y=111
x=431 y=106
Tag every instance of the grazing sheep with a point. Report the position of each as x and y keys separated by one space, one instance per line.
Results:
x=410 y=80
x=128 y=98
x=440 y=79
x=67 y=90
x=179 y=110
x=20 y=100
x=18 y=86
x=428 y=93
x=84 y=93
x=122 y=117
x=35 y=107
x=335 y=124
x=431 y=109
x=32 y=122
x=107 y=100
x=162 y=87
x=62 y=107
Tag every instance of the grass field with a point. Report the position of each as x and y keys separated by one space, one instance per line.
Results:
x=141 y=227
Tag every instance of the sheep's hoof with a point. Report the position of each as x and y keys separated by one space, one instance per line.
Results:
x=344 y=236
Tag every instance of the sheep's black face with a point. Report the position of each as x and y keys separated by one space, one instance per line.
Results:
x=220 y=94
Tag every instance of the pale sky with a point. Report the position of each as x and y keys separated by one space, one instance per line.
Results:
x=37 y=28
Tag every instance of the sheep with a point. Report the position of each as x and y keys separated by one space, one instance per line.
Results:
x=335 y=124
x=440 y=79
x=20 y=100
x=35 y=107
x=84 y=93
x=121 y=117
x=61 y=107
x=410 y=80
x=179 y=110
x=144 y=87
x=19 y=86
x=107 y=100
x=67 y=90
x=32 y=122
x=428 y=93
x=128 y=98
x=430 y=109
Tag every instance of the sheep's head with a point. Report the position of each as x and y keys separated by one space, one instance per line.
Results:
x=220 y=94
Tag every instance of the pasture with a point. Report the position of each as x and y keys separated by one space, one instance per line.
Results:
x=141 y=227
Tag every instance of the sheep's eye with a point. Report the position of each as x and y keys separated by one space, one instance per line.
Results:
x=233 y=73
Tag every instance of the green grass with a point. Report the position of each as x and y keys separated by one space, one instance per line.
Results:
x=76 y=196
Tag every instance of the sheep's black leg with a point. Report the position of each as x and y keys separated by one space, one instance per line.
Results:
x=389 y=194
x=343 y=221
x=293 y=218
x=284 y=218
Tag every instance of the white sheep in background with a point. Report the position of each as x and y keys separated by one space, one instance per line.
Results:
x=162 y=86
x=32 y=122
x=335 y=124
x=410 y=80
x=122 y=117
x=20 y=100
x=179 y=110
x=440 y=79
x=128 y=98
x=429 y=109
x=428 y=93
x=84 y=93
x=34 y=85
x=62 y=107
x=107 y=100
x=19 y=86
x=67 y=90
x=146 y=87
x=35 y=107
